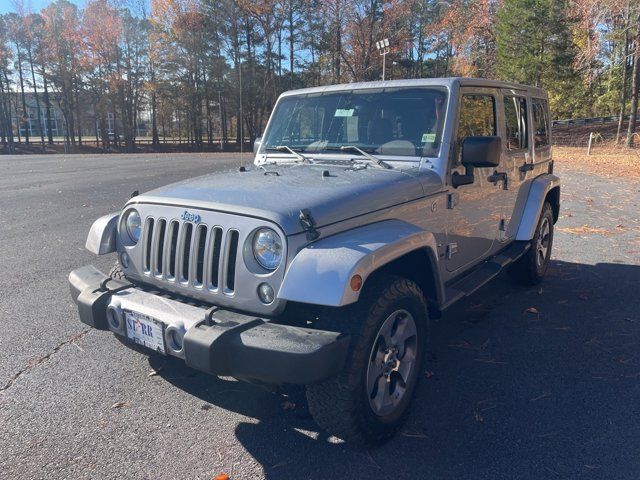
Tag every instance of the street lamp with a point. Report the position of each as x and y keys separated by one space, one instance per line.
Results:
x=383 y=49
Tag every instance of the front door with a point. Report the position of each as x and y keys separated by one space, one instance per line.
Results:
x=475 y=209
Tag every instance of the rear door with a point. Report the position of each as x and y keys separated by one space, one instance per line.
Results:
x=541 y=127
x=516 y=161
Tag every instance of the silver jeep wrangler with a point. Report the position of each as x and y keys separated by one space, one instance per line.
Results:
x=370 y=208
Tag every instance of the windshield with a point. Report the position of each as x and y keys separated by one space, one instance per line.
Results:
x=391 y=121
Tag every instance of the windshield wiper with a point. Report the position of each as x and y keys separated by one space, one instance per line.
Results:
x=285 y=148
x=379 y=162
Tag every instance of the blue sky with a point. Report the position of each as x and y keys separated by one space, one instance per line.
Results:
x=34 y=5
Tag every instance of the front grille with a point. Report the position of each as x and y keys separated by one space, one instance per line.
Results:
x=190 y=255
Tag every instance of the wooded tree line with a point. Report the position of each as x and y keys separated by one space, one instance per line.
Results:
x=211 y=70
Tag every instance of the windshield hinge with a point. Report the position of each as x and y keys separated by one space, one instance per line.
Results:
x=308 y=224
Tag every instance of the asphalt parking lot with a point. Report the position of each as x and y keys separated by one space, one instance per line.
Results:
x=520 y=383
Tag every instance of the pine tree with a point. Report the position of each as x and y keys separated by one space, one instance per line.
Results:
x=535 y=47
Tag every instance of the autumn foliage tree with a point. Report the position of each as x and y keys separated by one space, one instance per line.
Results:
x=207 y=73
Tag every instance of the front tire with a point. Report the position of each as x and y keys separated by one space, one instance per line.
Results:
x=369 y=400
x=531 y=268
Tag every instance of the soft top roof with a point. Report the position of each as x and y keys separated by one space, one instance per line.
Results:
x=450 y=82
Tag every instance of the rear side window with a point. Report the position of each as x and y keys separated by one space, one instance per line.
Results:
x=515 y=114
x=477 y=116
x=540 y=122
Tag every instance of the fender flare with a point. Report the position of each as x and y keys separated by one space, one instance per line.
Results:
x=538 y=191
x=102 y=238
x=320 y=273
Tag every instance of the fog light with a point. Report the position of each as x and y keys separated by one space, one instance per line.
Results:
x=266 y=293
x=124 y=259
x=175 y=340
x=114 y=318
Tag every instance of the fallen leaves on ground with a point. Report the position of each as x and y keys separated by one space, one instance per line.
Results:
x=221 y=476
x=584 y=230
x=606 y=159
x=464 y=344
x=413 y=434
x=206 y=406
x=156 y=371
x=540 y=397
x=489 y=360
x=282 y=464
x=119 y=405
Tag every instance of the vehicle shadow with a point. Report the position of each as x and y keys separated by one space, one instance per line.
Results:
x=538 y=382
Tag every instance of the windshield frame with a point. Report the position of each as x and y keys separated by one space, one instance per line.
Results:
x=267 y=155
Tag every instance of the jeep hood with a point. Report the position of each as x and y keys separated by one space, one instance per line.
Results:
x=278 y=192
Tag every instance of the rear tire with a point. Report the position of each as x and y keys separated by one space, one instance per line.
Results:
x=531 y=268
x=369 y=400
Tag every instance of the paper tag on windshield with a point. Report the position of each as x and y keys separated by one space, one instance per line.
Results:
x=344 y=112
x=428 y=137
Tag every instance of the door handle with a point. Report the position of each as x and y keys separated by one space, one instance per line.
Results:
x=497 y=177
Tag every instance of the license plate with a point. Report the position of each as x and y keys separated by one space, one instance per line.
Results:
x=145 y=331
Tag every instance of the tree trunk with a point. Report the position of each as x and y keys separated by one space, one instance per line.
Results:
x=35 y=93
x=6 y=114
x=623 y=92
x=291 y=43
x=77 y=110
x=47 y=105
x=155 y=140
x=634 y=88
x=25 y=114
x=15 y=110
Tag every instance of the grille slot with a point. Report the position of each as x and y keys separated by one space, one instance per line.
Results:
x=215 y=246
x=147 y=239
x=200 y=244
x=192 y=256
x=174 y=228
x=185 y=247
x=232 y=249
x=158 y=246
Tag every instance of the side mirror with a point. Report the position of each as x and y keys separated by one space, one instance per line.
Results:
x=477 y=152
x=256 y=144
x=480 y=152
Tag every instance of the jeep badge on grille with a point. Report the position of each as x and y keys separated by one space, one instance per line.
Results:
x=190 y=217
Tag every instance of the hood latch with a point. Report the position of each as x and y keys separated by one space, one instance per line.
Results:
x=308 y=224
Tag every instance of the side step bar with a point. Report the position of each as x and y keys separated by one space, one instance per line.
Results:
x=483 y=273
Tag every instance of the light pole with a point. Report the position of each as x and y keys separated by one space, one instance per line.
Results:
x=383 y=49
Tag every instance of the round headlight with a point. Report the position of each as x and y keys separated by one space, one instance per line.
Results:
x=267 y=248
x=133 y=225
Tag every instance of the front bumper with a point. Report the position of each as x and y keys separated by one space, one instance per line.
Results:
x=219 y=342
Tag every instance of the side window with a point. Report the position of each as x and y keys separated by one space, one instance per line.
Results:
x=477 y=116
x=540 y=122
x=515 y=115
x=477 y=119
